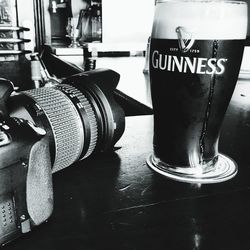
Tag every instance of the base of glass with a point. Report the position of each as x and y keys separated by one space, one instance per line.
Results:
x=74 y=44
x=224 y=169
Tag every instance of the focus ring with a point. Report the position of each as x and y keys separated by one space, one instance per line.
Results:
x=65 y=122
x=91 y=118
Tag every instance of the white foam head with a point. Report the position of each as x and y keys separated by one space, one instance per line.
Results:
x=204 y=19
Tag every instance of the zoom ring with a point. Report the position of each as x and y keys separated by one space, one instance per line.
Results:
x=65 y=122
x=90 y=115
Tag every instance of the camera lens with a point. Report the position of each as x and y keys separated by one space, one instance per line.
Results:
x=70 y=130
x=79 y=118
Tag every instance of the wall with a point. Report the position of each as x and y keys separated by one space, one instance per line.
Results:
x=127 y=21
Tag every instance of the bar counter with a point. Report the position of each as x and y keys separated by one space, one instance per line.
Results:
x=114 y=201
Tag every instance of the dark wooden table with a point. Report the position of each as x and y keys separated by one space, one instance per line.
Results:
x=115 y=201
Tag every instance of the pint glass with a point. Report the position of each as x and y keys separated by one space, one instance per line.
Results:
x=195 y=56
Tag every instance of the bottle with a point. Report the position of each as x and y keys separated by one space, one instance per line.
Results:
x=99 y=23
x=40 y=76
x=36 y=76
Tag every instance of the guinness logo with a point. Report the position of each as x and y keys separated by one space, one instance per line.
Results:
x=187 y=43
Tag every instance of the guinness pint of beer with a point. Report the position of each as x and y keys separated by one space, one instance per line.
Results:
x=195 y=56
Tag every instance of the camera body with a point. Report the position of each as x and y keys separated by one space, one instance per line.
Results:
x=45 y=130
x=26 y=196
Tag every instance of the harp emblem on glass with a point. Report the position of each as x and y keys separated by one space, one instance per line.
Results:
x=185 y=39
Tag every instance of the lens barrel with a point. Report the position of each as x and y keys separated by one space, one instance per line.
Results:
x=79 y=116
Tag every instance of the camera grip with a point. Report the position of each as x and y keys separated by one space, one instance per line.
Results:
x=39 y=189
x=6 y=88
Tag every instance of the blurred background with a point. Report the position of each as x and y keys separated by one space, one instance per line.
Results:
x=76 y=29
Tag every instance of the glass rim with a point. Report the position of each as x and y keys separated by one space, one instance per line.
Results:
x=205 y=1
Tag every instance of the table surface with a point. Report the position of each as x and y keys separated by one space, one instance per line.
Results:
x=114 y=201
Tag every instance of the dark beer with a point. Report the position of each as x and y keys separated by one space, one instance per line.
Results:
x=195 y=58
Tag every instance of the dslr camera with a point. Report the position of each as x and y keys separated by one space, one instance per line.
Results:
x=45 y=130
